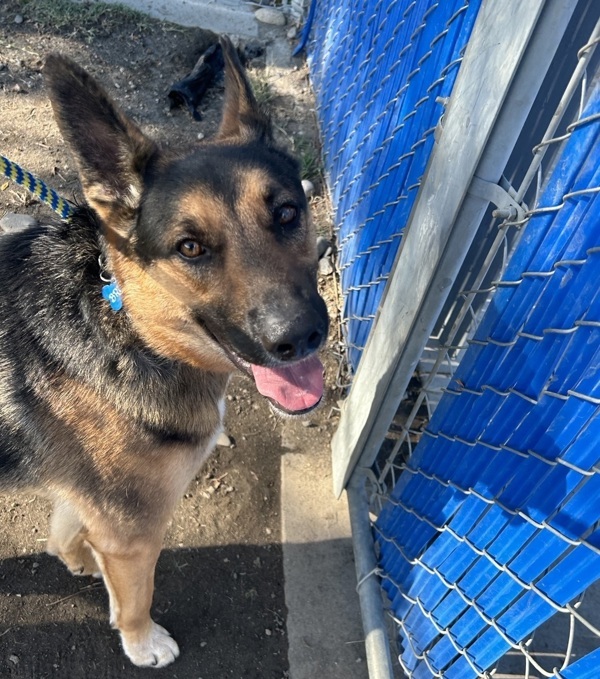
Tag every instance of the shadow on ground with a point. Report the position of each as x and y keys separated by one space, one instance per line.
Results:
x=56 y=625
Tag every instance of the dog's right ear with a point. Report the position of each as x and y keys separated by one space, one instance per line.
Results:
x=110 y=150
x=242 y=118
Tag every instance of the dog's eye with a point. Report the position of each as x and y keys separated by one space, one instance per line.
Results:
x=286 y=215
x=191 y=249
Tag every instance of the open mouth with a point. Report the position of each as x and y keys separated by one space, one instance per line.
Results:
x=293 y=389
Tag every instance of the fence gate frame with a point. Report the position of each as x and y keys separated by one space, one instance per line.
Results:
x=504 y=65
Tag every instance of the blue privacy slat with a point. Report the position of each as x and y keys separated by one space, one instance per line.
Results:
x=436 y=590
x=484 y=532
x=448 y=610
x=532 y=429
x=460 y=669
x=524 y=615
x=538 y=555
x=422 y=671
x=515 y=534
x=571 y=576
x=584 y=452
x=500 y=592
x=579 y=147
x=580 y=359
x=515 y=495
x=442 y=652
x=423 y=631
x=456 y=564
x=467 y=627
x=549 y=492
x=409 y=659
x=578 y=515
x=470 y=511
x=444 y=547
x=488 y=647
x=585 y=668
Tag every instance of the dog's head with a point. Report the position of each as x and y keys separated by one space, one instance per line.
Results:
x=214 y=251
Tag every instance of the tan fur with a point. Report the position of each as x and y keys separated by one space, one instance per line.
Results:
x=120 y=543
x=67 y=541
x=119 y=455
x=155 y=299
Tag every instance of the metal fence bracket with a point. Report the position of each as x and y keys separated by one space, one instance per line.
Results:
x=506 y=206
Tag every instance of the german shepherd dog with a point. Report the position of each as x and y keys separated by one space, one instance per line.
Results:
x=110 y=413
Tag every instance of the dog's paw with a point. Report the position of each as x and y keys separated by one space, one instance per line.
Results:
x=80 y=561
x=85 y=564
x=157 y=649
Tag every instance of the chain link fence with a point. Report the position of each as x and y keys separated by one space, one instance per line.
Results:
x=382 y=72
x=476 y=463
x=489 y=526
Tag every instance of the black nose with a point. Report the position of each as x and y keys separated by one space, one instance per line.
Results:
x=293 y=340
x=293 y=347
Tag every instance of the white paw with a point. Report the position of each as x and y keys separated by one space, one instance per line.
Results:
x=156 y=650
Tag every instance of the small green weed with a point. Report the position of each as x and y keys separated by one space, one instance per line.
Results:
x=263 y=92
x=310 y=159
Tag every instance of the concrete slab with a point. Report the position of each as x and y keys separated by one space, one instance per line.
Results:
x=324 y=628
x=234 y=17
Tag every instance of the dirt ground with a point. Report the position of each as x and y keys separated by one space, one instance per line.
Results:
x=219 y=586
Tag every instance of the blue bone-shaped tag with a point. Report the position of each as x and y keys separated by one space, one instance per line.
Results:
x=112 y=294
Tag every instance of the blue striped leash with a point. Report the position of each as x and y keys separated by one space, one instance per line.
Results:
x=35 y=186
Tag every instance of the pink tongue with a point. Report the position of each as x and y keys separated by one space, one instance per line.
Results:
x=295 y=387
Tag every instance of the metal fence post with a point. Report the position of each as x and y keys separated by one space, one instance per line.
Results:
x=376 y=635
x=445 y=217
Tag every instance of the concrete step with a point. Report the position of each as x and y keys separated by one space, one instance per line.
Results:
x=221 y=16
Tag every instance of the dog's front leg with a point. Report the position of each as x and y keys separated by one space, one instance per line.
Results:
x=128 y=571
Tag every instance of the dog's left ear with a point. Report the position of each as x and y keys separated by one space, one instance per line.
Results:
x=242 y=118
x=110 y=150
